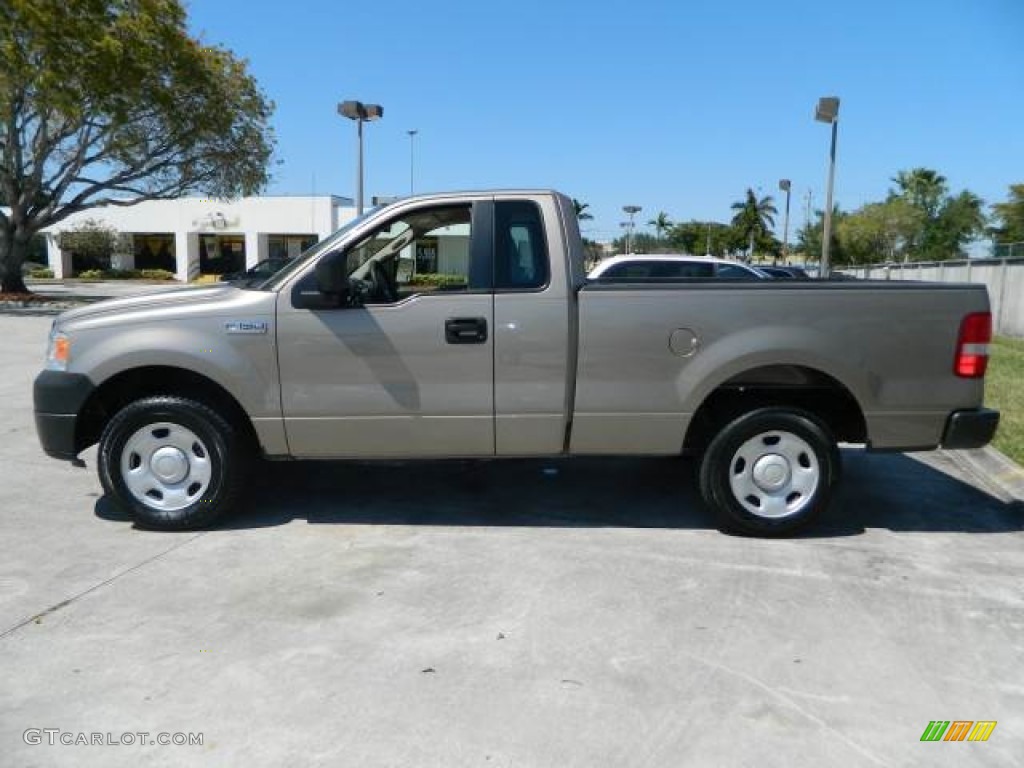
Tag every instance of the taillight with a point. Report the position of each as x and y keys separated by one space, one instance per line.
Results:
x=972 y=345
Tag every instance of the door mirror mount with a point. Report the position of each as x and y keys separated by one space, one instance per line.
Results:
x=332 y=277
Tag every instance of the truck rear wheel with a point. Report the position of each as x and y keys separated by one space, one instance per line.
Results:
x=770 y=472
x=171 y=463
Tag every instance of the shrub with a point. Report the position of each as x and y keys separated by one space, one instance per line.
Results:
x=436 y=280
x=126 y=274
x=156 y=274
x=40 y=273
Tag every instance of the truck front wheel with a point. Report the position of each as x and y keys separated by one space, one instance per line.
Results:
x=171 y=463
x=770 y=472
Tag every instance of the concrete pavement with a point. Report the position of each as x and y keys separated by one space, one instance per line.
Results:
x=531 y=613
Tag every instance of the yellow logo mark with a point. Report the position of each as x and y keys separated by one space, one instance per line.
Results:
x=982 y=730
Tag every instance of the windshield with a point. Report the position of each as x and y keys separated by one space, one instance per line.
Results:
x=311 y=253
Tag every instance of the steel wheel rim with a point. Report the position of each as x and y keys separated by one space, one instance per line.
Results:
x=166 y=466
x=774 y=474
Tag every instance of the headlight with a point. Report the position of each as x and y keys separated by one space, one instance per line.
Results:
x=58 y=352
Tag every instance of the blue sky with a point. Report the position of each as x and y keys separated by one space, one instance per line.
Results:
x=674 y=106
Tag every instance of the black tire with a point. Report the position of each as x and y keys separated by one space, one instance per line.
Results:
x=770 y=472
x=212 y=467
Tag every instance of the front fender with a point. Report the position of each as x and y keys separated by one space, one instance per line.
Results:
x=245 y=365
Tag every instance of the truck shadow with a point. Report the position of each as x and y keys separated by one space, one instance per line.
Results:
x=889 y=491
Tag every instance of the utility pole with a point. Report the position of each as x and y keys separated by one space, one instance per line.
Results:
x=785 y=185
x=827 y=112
x=412 y=158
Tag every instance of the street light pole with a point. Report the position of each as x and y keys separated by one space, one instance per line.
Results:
x=784 y=185
x=360 y=113
x=412 y=158
x=828 y=112
x=359 y=169
x=631 y=211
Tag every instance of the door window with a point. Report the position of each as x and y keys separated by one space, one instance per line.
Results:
x=423 y=251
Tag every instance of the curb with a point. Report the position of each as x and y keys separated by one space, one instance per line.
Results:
x=993 y=468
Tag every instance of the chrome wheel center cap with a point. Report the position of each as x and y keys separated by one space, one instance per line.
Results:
x=169 y=464
x=772 y=472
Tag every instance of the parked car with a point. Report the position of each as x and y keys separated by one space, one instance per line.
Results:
x=669 y=266
x=340 y=356
x=785 y=272
x=261 y=271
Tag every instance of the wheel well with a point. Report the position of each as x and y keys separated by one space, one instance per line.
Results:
x=778 y=385
x=128 y=386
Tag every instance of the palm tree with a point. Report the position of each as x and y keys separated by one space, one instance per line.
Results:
x=581 y=210
x=754 y=218
x=922 y=187
x=661 y=223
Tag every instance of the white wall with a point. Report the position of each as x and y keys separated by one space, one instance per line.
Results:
x=186 y=218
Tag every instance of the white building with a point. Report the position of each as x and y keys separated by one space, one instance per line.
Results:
x=192 y=236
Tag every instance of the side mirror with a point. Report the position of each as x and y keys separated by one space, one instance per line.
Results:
x=332 y=278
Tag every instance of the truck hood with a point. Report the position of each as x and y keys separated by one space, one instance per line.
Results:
x=161 y=298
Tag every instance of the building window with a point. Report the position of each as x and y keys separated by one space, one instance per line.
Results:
x=219 y=254
x=154 y=251
x=289 y=246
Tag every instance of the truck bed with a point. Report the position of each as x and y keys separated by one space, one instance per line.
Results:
x=891 y=345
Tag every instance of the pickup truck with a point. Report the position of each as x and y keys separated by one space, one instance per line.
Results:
x=463 y=325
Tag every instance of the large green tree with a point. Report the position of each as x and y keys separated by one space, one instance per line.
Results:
x=642 y=242
x=923 y=188
x=705 y=237
x=946 y=222
x=1010 y=217
x=811 y=236
x=879 y=231
x=689 y=237
x=960 y=220
x=754 y=218
x=112 y=102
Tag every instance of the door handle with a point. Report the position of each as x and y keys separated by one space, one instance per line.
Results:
x=465 y=330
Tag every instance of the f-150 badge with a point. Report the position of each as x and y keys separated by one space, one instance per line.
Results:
x=245 y=326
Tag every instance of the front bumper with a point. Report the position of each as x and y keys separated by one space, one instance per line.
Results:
x=58 y=400
x=970 y=429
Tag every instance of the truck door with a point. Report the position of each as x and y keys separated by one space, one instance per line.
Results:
x=534 y=353
x=410 y=372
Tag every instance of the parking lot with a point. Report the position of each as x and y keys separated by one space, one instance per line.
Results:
x=528 y=613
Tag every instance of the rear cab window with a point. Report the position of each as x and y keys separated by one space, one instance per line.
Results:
x=520 y=247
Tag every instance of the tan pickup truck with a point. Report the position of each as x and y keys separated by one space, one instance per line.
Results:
x=463 y=325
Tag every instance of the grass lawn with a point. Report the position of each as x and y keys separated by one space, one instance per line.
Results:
x=1004 y=391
